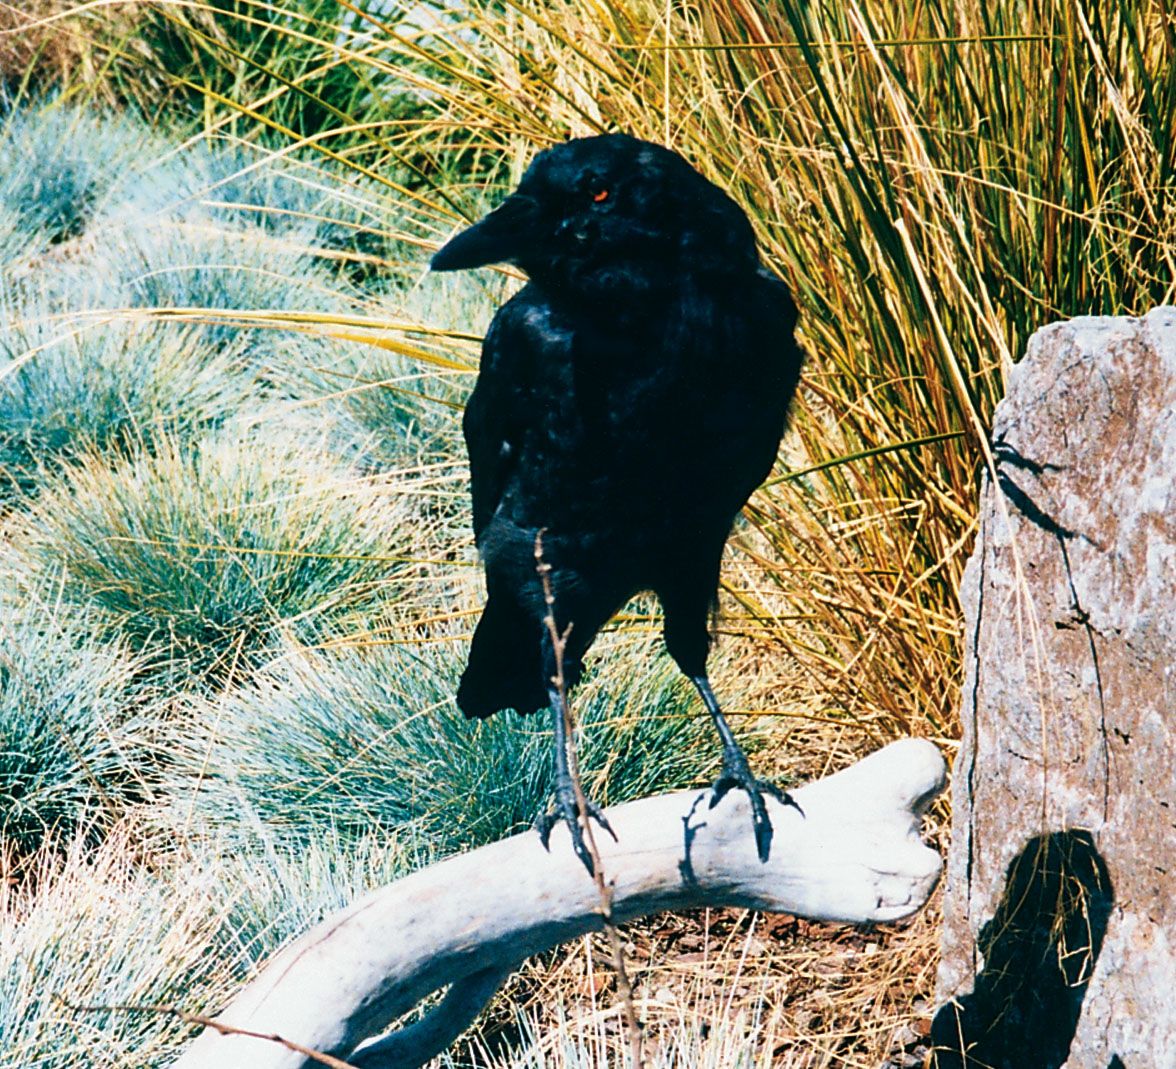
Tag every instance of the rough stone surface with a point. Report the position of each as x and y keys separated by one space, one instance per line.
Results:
x=1059 y=943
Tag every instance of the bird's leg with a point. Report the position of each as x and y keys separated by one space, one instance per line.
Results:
x=566 y=808
x=737 y=773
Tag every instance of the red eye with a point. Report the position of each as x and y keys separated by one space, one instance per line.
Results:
x=600 y=195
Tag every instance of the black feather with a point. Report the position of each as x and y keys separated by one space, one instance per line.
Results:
x=630 y=399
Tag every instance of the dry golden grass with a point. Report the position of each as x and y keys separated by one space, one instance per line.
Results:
x=764 y=990
x=48 y=42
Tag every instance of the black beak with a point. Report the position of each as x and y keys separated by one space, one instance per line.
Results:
x=504 y=236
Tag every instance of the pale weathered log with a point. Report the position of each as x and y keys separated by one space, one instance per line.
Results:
x=853 y=854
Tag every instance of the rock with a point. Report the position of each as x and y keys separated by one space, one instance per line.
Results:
x=1059 y=943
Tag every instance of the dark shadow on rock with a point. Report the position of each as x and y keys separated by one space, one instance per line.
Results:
x=1039 y=952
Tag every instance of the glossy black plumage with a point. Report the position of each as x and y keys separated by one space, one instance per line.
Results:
x=631 y=397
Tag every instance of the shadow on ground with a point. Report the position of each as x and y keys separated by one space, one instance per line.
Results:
x=1039 y=951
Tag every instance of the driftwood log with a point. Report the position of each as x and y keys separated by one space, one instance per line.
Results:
x=852 y=853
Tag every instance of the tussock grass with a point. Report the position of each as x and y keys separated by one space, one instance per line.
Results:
x=99 y=928
x=219 y=277
x=272 y=889
x=52 y=42
x=71 y=712
x=340 y=214
x=202 y=555
x=68 y=389
x=58 y=166
x=356 y=739
x=13 y=240
x=201 y=54
x=397 y=412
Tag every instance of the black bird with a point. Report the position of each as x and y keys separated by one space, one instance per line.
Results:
x=631 y=397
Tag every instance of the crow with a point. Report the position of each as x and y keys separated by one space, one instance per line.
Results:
x=631 y=397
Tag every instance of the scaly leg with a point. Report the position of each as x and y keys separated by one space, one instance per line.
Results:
x=566 y=808
x=737 y=773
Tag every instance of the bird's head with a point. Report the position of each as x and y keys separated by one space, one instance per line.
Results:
x=609 y=214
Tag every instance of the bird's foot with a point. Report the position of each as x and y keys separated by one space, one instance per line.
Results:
x=568 y=811
x=737 y=773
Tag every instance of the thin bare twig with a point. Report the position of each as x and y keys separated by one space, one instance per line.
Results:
x=559 y=643
x=208 y=1022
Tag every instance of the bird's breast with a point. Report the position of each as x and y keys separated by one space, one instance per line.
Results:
x=642 y=431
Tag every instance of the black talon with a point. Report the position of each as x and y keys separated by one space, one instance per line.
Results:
x=565 y=808
x=543 y=824
x=737 y=773
x=597 y=814
x=567 y=811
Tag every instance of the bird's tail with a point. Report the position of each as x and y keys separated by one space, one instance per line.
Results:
x=505 y=669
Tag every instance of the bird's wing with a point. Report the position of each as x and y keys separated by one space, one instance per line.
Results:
x=502 y=405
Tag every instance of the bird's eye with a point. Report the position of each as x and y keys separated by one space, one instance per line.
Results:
x=600 y=196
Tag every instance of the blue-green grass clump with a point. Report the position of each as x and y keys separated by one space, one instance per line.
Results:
x=327 y=208
x=68 y=387
x=58 y=166
x=203 y=554
x=356 y=739
x=392 y=411
x=401 y=409
x=226 y=272
x=85 y=362
x=275 y=889
x=14 y=242
x=227 y=184
x=97 y=927
x=69 y=760
x=67 y=170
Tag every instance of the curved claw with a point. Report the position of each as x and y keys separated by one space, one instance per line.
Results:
x=597 y=814
x=567 y=811
x=543 y=823
x=736 y=773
